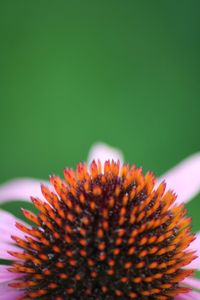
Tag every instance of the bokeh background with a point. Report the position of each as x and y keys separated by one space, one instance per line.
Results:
x=76 y=72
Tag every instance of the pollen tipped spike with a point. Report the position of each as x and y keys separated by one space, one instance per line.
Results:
x=30 y=216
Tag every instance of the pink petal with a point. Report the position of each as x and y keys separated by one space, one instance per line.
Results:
x=188 y=296
x=4 y=251
x=104 y=152
x=5 y=275
x=20 y=189
x=192 y=282
x=7 y=226
x=6 y=217
x=195 y=245
x=184 y=179
x=8 y=293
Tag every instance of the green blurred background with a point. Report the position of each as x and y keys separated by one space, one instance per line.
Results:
x=76 y=72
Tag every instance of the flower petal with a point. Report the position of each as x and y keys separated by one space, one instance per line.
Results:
x=192 y=282
x=188 y=296
x=20 y=189
x=104 y=152
x=184 y=179
x=5 y=275
x=195 y=246
x=4 y=251
x=8 y=228
x=8 y=293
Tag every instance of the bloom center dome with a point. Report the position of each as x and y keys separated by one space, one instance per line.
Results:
x=104 y=233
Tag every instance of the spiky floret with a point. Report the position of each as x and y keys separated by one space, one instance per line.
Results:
x=104 y=235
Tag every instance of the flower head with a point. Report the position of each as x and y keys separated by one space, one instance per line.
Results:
x=104 y=232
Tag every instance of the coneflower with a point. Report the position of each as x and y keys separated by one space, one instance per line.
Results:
x=104 y=232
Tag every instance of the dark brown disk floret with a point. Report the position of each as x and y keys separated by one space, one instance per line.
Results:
x=104 y=235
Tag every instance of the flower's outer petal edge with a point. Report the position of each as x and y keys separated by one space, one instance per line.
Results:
x=103 y=152
x=188 y=296
x=192 y=282
x=4 y=251
x=195 y=246
x=184 y=178
x=7 y=229
x=5 y=275
x=8 y=293
x=21 y=189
